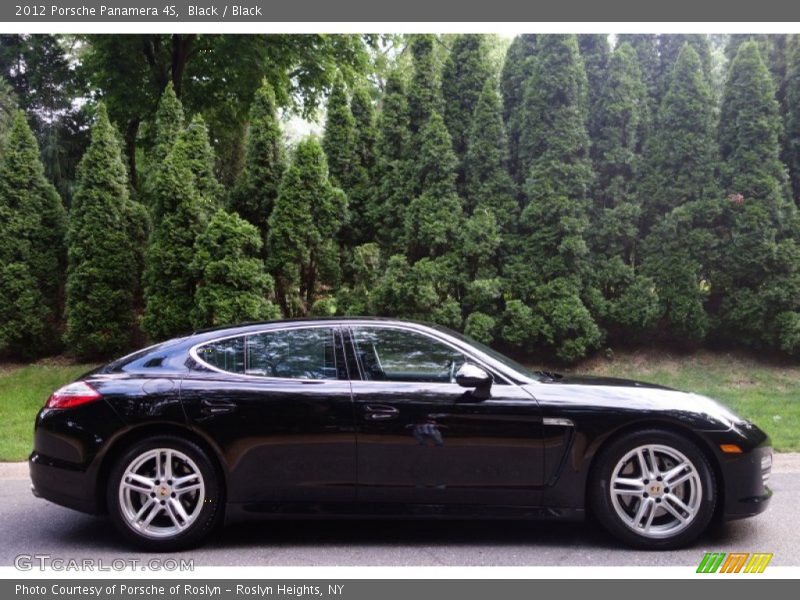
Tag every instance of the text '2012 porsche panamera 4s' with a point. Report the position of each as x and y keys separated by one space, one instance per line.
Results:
x=384 y=418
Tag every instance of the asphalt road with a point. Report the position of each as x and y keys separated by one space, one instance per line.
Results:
x=29 y=525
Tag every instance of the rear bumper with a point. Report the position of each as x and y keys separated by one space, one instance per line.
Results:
x=63 y=483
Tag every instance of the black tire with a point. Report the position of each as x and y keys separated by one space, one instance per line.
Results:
x=599 y=496
x=209 y=510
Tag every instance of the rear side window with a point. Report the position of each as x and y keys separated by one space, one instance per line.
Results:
x=289 y=354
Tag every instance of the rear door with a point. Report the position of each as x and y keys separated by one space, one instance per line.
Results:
x=278 y=403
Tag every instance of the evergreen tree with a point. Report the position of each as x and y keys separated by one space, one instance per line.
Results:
x=361 y=192
x=595 y=52
x=486 y=165
x=646 y=46
x=546 y=275
x=792 y=117
x=393 y=176
x=169 y=123
x=757 y=273
x=233 y=286
x=424 y=96
x=180 y=216
x=669 y=49
x=680 y=154
x=8 y=108
x=623 y=302
x=466 y=71
x=339 y=139
x=308 y=213
x=434 y=216
x=32 y=222
x=101 y=281
x=195 y=149
x=679 y=192
x=517 y=69
x=257 y=187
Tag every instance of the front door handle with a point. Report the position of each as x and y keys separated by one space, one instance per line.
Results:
x=380 y=412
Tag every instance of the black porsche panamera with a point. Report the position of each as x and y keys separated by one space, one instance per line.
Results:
x=384 y=418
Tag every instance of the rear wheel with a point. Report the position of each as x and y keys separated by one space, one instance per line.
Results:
x=164 y=494
x=653 y=489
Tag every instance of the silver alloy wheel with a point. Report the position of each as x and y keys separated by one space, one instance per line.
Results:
x=656 y=491
x=161 y=493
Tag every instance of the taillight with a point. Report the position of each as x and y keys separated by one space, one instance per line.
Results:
x=74 y=394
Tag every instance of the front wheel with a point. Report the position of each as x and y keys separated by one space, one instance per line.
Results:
x=653 y=489
x=164 y=494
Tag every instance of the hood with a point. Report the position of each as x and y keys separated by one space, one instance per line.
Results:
x=583 y=392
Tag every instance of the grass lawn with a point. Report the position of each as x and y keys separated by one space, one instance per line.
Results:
x=767 y=393
x=23 y=391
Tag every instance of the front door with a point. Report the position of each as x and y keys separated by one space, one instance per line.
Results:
x=423 y=439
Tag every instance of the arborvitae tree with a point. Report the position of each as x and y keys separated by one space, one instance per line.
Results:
x=670 y=47
x=32 y=222
x=8 y=108
x=424 y=96
x=169 y=123
x=233 y=286
x=393 y=177
x=757 y=271
x=792 y=117
x=356 y=297
x=433 y=218
x=265 y=162
x=546 y=274
x=678 y=193
x=194 y=146
x=360 y=195
x=309 y=211
x=339 y=139
x=646 y=46
x=623 y=302
x=465 y=73
x=517 y=69
x=681 y=158
x=180 y=216
x=488 y=184
x=101 y=281
x=595 y=52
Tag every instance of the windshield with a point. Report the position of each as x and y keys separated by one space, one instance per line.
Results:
x=501 y=358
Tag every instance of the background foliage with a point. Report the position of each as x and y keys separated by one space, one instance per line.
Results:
x=551 y=194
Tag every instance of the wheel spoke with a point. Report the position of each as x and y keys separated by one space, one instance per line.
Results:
x=176 y=508
x=153 y=512
x=674 y=512
x=138 y=483
x=654 y=470
x=168 y=465
x=678 y=475
x=148 y=504
x=678 y=503
x=642 y=511
x=646 y=474
x=627 y=486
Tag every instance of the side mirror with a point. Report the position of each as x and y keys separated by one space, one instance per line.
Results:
x=472 y=376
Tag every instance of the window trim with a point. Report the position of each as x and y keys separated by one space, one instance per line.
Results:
x=471 y=358
x=332 y=328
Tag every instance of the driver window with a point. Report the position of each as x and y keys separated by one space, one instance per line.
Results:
x=400 y=355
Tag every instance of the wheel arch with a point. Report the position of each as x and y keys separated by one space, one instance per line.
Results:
x=137 y=433
x=596 y=449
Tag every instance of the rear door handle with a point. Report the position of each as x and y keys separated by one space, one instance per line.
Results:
x=380 y=412
x=217 y=406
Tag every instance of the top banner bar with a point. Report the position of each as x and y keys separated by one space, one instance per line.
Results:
x=435 y=11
